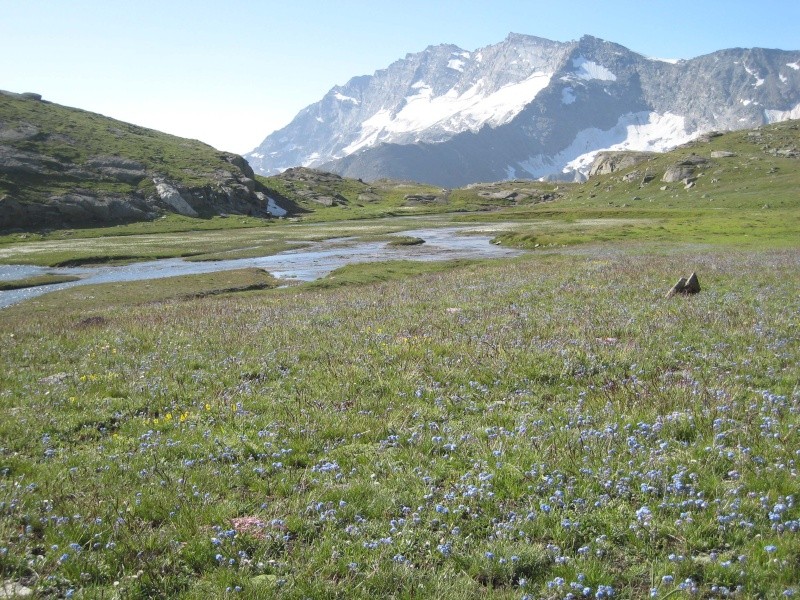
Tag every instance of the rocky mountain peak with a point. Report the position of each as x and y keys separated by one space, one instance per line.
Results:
x=527 y=107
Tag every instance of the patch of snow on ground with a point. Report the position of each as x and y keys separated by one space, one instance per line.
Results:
x=274 y=209
x=320 y=120
x=746 y=102
x=794 y=65
x=774 y=116
x=783 y=78
x=511 y=173
x=643 y=131
x=451 y=111
x=256 y=155
x=567 y=95
x=456 y=64
x=588 y=70
x=759 y=82
x=343 y=98
x=672 y=61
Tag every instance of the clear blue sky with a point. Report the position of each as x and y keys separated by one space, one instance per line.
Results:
x=228 y=73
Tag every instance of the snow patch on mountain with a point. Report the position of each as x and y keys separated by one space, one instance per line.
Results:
x=672 y=61
x=643 y=131
x=456 y=64
x=775 y=116
x=567 y=96
x=759 y=81
x=451 y=112
x=588 y=70
x=342 y=98
x=794 y=65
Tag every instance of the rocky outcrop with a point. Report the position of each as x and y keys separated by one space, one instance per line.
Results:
x=105 y=171
x=606 y=163
x=685 y=170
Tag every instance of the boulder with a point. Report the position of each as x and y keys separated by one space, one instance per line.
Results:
x=172 y=197
x=677 y=173
x=722 y=154
x=421 y=198
x=685 y=286
x=609 y=162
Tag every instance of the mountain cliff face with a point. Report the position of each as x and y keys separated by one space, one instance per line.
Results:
x=64 y=167
x=528 y=108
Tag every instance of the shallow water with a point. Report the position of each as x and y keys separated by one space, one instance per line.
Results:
x=304 y=264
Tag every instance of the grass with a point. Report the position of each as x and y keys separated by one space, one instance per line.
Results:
x=405 y=240
x=462 y=433
x=88 y=298
x=75 y=136
x=546 y=427
x=364 y=273
x=46 y=279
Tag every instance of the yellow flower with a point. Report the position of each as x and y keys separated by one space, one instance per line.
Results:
x=208 y=406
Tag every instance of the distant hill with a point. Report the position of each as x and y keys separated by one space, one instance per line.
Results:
x=65 y=167
x=527 y=107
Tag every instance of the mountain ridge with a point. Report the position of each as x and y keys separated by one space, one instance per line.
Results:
x=528 y=107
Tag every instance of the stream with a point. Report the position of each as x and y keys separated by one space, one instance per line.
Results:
x=304 y=264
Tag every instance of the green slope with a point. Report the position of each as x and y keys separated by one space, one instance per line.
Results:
x=65 y=166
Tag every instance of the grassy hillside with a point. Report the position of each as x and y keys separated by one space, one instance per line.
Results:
x=742 y=187
x=329 y=197
x=64 y=166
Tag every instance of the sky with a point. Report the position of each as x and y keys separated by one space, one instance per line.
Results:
x=229 y=73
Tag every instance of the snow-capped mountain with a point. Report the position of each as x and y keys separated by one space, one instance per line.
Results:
x=527 y=108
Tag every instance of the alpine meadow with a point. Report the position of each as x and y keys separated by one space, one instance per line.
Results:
x=544 y=422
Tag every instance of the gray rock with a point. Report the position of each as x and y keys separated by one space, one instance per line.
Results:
x=608 y=162
x=14 y=589
x=685 y=286
x=677 y=173
x=692 y=285
x=170 y=195
x=14 y=161
x=421 y=198
x=18 y=132
x=722 y=154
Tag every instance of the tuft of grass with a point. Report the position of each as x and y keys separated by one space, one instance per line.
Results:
x=405 y=240
x=46 y=279
x=91 y=297
x=364 y=273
